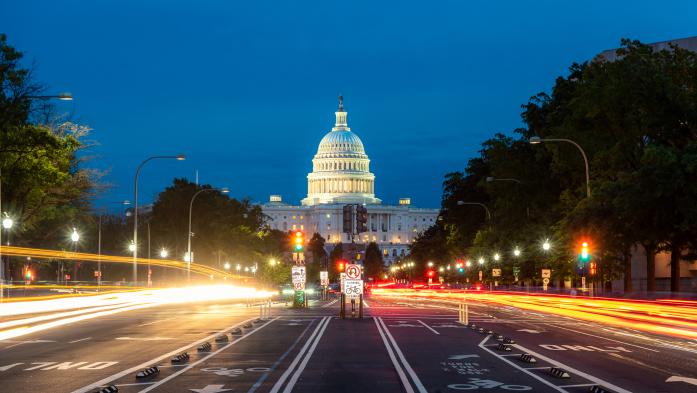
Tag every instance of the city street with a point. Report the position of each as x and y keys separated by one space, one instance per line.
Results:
x=400 y=345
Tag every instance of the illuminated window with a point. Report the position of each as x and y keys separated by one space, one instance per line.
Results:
x=329 y=215
x=302 y=217
x=302 y=227
x=295 y=227
x=385 y=252
x=294 y=217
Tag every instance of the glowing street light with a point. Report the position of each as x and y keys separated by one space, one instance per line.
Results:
x=481 y=261
x=132 y=247
x=516 y=252
x=468 y=263
x=75 y=237
x=246 y=269
x=497 y=257
x=441 y=269
x=546 y=246
x=164 y=253
x=7 y=223
x=430 y=264
x=272 y=262
x=238 y=267
x=226 y=266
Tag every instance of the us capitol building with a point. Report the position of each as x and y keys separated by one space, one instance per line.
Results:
x=340 y=176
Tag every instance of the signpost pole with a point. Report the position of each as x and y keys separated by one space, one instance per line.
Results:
x=360 y=306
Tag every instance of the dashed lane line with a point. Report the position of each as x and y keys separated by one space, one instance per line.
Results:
x=605 y=338
x=330 y=303
x=77 y=341
x=428 y=327
x=158 y=359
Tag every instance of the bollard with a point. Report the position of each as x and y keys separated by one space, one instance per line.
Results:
x=463 y=313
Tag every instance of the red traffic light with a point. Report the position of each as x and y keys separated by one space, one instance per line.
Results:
x=340 y=266
x=430 y=273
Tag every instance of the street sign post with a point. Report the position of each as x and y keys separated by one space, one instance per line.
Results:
x=546 y=273
x=324 y=278
x=496 y=272
x=298 y=278
x=353 y=288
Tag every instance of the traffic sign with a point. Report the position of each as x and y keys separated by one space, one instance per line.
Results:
x=545 y=280
x=353 y=271
x=353 y=288
x=546 y=273
x=298 y=275
x=481 y=275
x=496 y=272
x=324 y=278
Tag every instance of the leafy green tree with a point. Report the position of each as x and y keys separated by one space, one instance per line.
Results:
x=373 y=264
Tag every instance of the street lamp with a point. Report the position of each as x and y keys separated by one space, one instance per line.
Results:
x=488 y=214
x=190 y=258
x=537 y=140
x=238 y=267
x=226 y=266
x=546 y=246
x=132 y=247
x=430 y=264
x=7 y=223
x=516 y=252
x=164 y=253
x=481 y=261
x=468 y=263
x=65 y=96
x=272 y=262
x=178 y=157
x=497 y=257
x=75 y=237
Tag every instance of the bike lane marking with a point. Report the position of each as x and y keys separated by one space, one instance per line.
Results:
x=203 y=359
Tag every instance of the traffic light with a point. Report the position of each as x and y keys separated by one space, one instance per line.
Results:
x=361 y=219
x=593 y=268
x=340 y=265
x=298 y=241
x=585 y=255
x=430 y=273
x=348 y=219
x=28 y=275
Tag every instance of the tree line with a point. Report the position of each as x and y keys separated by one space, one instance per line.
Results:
x=636 y=120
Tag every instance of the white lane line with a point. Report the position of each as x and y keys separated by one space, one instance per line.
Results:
x=577 y=386
x=158 y=359
x=428 y=327
x=308 y=355
x=605 y=338
x=417 y=382
x=284 y=376
x=553 y=386
x=573 y=370
x=395 y=363
x=154 y=322
x=131 y=384
x=203 y=359
x=365 y=304
x=77 y=341
x=330 y=303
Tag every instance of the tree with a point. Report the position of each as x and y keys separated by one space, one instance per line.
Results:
x=373 y=263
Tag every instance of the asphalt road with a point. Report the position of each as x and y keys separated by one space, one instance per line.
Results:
x=400 y=346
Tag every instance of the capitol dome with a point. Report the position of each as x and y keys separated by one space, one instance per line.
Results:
x=341 y=168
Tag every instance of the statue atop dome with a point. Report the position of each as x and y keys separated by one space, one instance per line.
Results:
x=341 y=103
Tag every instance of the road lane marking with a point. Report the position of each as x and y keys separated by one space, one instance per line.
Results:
x=406 y=364
x=605 y=338
x=308 y=355
x=277 y=386
x=577 y=386
x=143 y=338
x=158 y=359
x=203 y=359
x=395 y=363
x=330 y=303
x=261 y=380
x=29 y=342
x=553 y=386
x=365 y=304
x=428 y=327
x=77 y=341
x=154 y=322
x=572 y=370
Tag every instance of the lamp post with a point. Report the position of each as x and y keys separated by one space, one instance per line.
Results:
x=61 y=96
x=74 y=237
x=178 y=157
x=488 y=214
x=536 y=140
x=99 y=241
x=190 y=258
x=7 y=224
x=491 y=179
x=164 y=253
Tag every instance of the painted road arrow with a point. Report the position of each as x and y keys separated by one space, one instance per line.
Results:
x=675 y=378
x=533 y=331
x=211 y=389
x=458 y=357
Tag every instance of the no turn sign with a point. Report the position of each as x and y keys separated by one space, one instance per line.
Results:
x=353 y=271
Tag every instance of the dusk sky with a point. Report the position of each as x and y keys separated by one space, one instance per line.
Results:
x=246 y=89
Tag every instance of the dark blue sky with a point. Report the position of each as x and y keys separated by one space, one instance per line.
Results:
x=248 y=88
